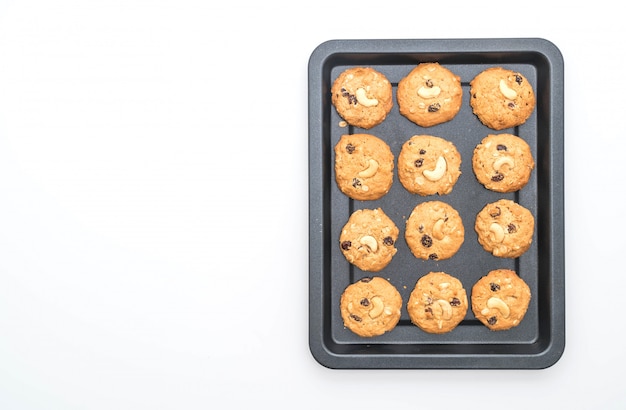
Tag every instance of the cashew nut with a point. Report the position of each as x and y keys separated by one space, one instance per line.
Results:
x=363 y=99
x=429 y=92
x=497 y=303
x=377 y=307
x=438 y=229
x=370 y=242
x=507 y=91
x=504 y=160
x=371 y=169
x=443 y=310
x=439 y=171
x=498 y=232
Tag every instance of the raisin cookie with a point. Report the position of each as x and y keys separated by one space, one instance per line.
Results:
x=362 y=96
x=434 y=231
x=429 y=95
x=438 y=303
x=505 y=228
x=370 y=306
x=429 y=165
x=368 y=239
x=363 y=166
x=503 y=163
x=501 y=98
x=500 y=299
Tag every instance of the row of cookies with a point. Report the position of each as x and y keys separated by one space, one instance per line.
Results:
x=435 y=231
x=372 y=306
x=428 y=165
x=431 y=94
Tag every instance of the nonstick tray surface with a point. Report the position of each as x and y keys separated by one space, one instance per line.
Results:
x=539 y=340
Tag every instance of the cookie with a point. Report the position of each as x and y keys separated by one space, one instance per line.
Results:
x=438 y=303
x=363 y=166
x=501 y=98
x=434 y=231
x=429 y=95
x=500 y=299
x=505 y=228
x=368 y=239
x=503 y=162
x=429 y=165
x=370 y=306
x=362 y=96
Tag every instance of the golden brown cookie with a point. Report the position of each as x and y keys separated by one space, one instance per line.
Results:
x=363 y=166
x=503 y=162
x=362 y=96
x=505 y=228
x=434 y=231
x=501 y=98
x=500 y=299
x=429 y=165
x=371 y=306
x=368 y=239
x=438 y=303
x=430 y=94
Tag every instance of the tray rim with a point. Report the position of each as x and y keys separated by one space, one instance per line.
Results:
x=546 y=356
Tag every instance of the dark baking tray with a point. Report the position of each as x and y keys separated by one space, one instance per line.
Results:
x=538 y=342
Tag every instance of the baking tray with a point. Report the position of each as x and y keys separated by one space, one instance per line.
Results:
x=538 y=342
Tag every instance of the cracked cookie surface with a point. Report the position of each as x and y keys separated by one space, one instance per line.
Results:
x=438 y=303
x=503 y=162
x=362 y=96
x=430 y=94
x=505 y=228
x=368 y=239
x=501 y=98
x=364 y=166
x=500 y=299
x=434 y=231
x=370 y=306
x=429 y=165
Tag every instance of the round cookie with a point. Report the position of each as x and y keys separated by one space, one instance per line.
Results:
x=503 y=163
x=370 y=306
x=368 y=239
x=363 y=166
x=429 y=95
x=362 y=96
x=501 y=98
x=505 y=228
x=438 y=303
x=500 y=299
x=429 y=165
x=434 y=231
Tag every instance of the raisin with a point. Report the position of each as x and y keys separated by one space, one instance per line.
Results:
x=511 y=105
x=501 y=147
x=427 y=241
x=365 y=302
x=494 y=287
x=366 y=280
x=511 y=228
x=429 y=83
x=345 y=245
x=350 y=148
x=492 y=320
x=422 y=151
x=433 y=257
x=419 y=162
x=356 y=182
x=355 y=318
x=496 y=212
x=351 y=98
x=434 y=107
x=518 y=79
x=455 y=302
x=497 y=177
x=388 y=240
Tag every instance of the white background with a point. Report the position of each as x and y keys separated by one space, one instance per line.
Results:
x=153 y=205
